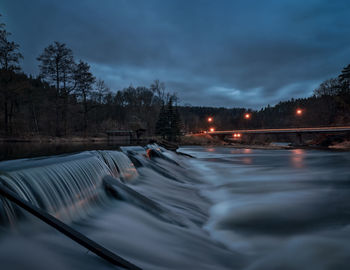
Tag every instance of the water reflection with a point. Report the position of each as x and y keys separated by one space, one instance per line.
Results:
x=247 y=160
x=298 y=158
x=243 y=155
x=241 y=151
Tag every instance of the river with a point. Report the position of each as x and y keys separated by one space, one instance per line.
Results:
x=225 y=208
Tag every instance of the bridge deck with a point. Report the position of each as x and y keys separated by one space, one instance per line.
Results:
x=284 y=130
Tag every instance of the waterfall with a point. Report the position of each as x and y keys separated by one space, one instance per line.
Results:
x=119 y=164
x=66 y=186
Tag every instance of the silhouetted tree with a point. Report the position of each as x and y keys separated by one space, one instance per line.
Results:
x=345 y=74
x=169 y=123
x=57 y=67
x=9 y=52
x=84 y=81
x=101 y=91
x=158 y=89
x=162 y=123
x=329 y=87
x=176 y=125
x=9 y=63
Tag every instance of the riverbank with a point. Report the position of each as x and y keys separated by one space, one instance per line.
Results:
x=341 y=146
x=38 y=146
x=35 y=146
x=55 y=140
x=207 y=140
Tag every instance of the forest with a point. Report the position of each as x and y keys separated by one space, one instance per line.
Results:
x=328 y=106
x=66 y=99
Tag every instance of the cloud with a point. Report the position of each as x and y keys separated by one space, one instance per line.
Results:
x=226 y=53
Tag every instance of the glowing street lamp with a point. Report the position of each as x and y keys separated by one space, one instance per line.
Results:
x=210 y=119
x=299 y=112
x=247 y=116
x=212 y=129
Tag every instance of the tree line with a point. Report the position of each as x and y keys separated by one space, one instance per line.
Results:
x=328 y=106
x=66 y=99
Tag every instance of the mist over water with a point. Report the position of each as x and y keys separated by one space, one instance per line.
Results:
x=224 y=209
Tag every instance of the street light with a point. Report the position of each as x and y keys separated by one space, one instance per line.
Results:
x=299 y=112
x=212 y=129
x=210 y=119
x=247 y=116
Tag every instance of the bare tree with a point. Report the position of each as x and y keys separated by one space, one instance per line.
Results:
x=330 y=87
x=158 y=88
x=101 y=90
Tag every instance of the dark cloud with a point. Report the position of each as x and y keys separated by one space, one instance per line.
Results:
x=214 y=53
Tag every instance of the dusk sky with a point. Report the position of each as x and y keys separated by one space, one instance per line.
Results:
x=212 y=53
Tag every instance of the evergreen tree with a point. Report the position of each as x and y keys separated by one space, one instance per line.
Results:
x=170 y=119
x=161 y=125
x=345 y=74
x=345 y=79
x=176 y=125
x=169 y=122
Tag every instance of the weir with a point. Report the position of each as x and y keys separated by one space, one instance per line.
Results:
x=68 y=231
x=62 y=188
x=225 y=209
x=65 y=186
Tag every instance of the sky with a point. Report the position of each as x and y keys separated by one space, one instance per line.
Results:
x=223 y=53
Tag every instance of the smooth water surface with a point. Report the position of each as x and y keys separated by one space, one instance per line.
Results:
x=224 y=209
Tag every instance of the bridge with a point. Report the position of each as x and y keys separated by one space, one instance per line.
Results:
x=283 y=130
x=238 y=134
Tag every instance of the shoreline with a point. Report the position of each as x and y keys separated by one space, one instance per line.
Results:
x=205 y=141
x=208 y=141
x=53 y=140
x=265 y=146
x=278 y=147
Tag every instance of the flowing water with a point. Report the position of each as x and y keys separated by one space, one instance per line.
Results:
x=224 y=209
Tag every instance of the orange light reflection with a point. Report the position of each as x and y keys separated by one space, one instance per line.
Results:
x=247 y=160
x=297 y=158
x=247 y=151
